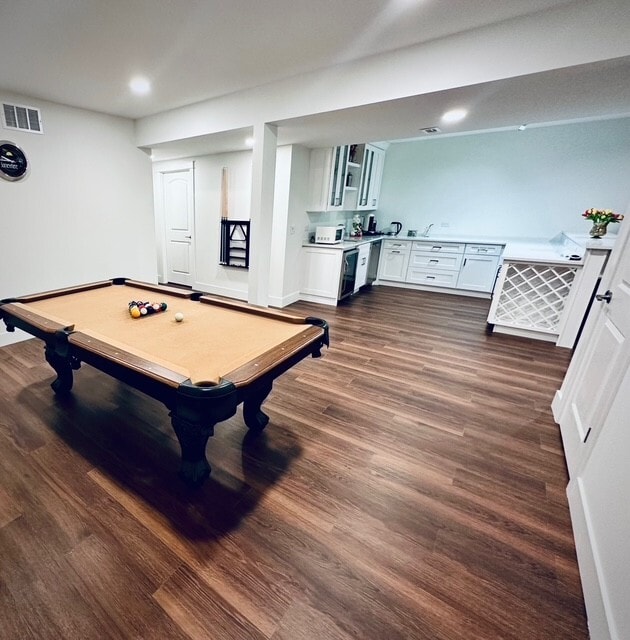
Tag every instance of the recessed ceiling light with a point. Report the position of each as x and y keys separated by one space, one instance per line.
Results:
x=454 y=115
x=140 y=85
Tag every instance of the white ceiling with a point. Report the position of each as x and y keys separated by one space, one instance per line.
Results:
x=83 y=53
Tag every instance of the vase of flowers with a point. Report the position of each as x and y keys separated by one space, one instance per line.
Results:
x=601 y=218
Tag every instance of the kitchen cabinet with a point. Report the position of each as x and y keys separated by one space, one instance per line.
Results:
x=449 y=265
x=371 y=178
x=321 y=272
x=394 y=260
x=435 y=264
x=329 y=274
x=332 y=273
x=331 y=178
x=345 y=178
x=362 y=266
x=479 y=267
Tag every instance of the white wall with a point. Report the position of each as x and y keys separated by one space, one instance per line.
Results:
x=210 y=276
x=289 y=222
x=533 y=183
x=85 y=211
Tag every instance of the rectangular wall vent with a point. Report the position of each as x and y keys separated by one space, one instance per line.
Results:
x=22 y=118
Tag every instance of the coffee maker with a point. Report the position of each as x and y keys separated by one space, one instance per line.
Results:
x=371 y=225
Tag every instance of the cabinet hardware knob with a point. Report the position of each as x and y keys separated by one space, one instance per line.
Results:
x=605 y=297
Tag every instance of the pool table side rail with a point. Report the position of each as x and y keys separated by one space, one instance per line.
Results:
x=91 y=346
x=313 y=338
x=16 y=316
x=53 y=293
x=189 y=294
x=248 y=308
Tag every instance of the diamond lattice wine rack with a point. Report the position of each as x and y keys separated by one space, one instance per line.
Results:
x=533 y=296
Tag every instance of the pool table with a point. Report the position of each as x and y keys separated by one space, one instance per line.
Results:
x=222 y=353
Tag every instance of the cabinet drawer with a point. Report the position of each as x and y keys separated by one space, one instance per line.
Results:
x=432 y=277
x=397 y=245
x=484 y=249
x=439 y=247
x=428 y=260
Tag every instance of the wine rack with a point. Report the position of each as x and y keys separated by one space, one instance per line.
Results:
x=533 y=296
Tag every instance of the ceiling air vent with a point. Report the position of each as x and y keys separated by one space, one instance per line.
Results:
x=22 y=118
x=431 y=130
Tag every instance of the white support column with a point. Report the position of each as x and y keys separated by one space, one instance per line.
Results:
x=263 y=183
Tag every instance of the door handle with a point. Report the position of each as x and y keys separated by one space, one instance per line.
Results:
x=187 y=236
x=604 y=297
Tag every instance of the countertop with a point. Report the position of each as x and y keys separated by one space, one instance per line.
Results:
x=557 y=250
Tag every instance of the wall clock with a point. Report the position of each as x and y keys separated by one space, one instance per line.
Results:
x=13 y=162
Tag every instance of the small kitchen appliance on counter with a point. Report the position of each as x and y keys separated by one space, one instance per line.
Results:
x=394 y=229
x=329 y=235
x=371 y=226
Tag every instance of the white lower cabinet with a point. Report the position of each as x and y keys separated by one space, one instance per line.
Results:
x=394 y=260
x=362 y=266
x=450 y=265
x=435 y=263
x=320 y=278
x=478 y=273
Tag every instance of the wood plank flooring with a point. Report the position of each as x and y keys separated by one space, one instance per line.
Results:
x=410 y=485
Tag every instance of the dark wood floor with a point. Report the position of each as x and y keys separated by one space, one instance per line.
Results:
x=410 y=484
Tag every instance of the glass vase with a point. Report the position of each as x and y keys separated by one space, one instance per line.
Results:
x=598 y=230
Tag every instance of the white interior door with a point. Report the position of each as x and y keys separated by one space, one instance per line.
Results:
x=178 y=218
x=594 y=410
x=600 y=361
x=598 y=498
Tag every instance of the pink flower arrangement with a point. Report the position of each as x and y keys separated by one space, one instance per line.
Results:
x=602 y=216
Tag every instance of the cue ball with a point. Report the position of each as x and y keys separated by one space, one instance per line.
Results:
x=179 y=317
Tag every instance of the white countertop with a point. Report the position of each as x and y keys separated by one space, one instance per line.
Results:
x=556 y=250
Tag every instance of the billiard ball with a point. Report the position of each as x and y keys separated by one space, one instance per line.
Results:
x=179 y=317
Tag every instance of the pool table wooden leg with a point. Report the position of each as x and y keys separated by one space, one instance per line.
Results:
x=63 y=366
x=254 y=417
x=193 y=438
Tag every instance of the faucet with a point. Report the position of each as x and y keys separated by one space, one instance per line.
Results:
x=425 y=233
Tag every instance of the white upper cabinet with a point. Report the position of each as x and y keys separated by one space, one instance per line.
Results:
x=345 y=178
x=371 y=177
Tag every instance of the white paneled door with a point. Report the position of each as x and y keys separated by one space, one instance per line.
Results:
x=593 y=409
x=178 y=217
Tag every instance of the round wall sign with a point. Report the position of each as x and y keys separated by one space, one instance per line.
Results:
x=13 y=162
